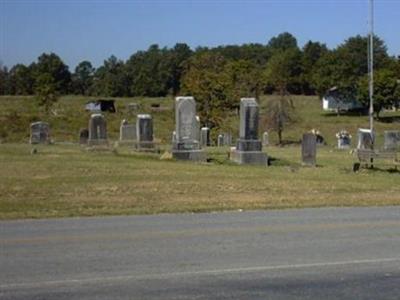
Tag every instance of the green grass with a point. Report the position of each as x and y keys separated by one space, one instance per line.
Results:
x=64 y=180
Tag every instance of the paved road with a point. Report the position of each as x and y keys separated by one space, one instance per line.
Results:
x=346 y=253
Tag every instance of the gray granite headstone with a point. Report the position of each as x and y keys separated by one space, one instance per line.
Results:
x=249 y=147
x=144 y=131
x=344 y=142
x=309 y=149
x=392 y=140
x=187 y=144
x=366 y=139
x=220 y=140
x=173 y=137
x=97 y=130
x=205 y=136
x=40 y=133
x=83 y=136
x=197 y=130
x=127 y=132
x=265 y=139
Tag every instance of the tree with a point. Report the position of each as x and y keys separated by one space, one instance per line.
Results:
x=46 y=91
x=177 y=58
x=82 y=79
x=282 y=42
x=52 y=65
x=386 y=90
x=150 y=72
x=243 y=79
x=312 y=52
x=344 y=66
x=111 y=79
x=3 y=80
x=282 y=71
x=21 y=80
x=205 y=80
x=279 y=114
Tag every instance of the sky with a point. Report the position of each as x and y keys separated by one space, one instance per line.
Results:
x=94 y=30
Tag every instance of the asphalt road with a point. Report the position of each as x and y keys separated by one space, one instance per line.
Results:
x=332 y=253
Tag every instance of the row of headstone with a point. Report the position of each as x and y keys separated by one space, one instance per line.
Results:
x=140 y=135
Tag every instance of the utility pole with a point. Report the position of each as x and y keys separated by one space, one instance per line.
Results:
x=371 y=66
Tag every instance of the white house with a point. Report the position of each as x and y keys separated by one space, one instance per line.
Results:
x=335 y=100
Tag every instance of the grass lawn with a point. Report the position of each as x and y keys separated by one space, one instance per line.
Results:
x=66 y=180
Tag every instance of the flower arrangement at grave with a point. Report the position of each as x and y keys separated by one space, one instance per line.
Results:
x=315 y=132
x=343 y=134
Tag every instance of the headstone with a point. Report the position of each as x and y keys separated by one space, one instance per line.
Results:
x=392 y=140
x=40 y=133
x=220 y=140
x=265 y=139
x=173 y=137
x=144 y=132
x=205 y=136
x=197 y=129
x=344 y=142
x=127 y=132
x=97 y=130
x=83 y=136
x=309 y=149
x=187 y=144
x=248 y=147
x=366 y=139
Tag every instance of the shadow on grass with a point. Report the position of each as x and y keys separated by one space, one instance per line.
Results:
x=389 y=119
x=345 y=114
x=380 y=170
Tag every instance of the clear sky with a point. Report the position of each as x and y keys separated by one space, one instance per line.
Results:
x=94 y=30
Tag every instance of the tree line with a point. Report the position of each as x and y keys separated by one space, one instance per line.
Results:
x=217 y=76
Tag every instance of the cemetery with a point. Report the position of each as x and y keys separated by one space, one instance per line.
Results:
x=208 y=169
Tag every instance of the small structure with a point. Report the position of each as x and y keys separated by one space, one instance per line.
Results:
x=187 y=145
x=83 y=136
x=392 y=140
x=144 y=133
x=343 y=139
x=97 y=130
x=101 y=105
x=205 y=136
x=340 y=100
x=127 y=133
x=40 y=133
x=366 y=139
x=309 y=149
x=249 y=147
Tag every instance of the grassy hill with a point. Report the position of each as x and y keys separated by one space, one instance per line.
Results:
x=65 y=180
x=69 y=115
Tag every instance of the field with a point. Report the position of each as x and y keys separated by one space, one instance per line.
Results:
x=65 y=180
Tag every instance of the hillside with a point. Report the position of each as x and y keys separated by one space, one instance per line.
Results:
x=68 y=116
